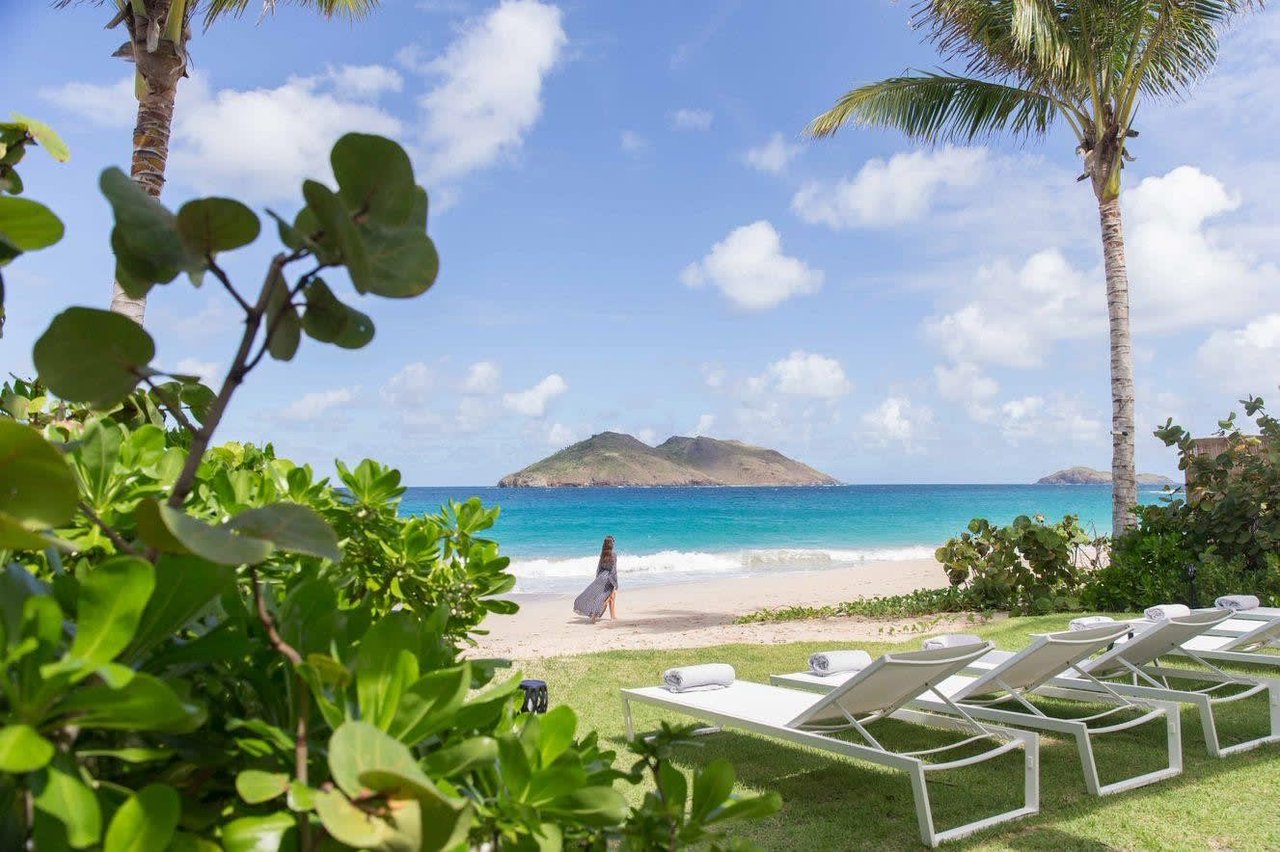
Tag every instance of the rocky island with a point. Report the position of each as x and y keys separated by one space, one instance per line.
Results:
x=615 y=459
x=1081 y=475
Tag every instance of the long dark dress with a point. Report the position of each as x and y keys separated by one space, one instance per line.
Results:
x=592 y=601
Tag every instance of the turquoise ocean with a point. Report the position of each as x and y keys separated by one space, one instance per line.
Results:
x=667 y=535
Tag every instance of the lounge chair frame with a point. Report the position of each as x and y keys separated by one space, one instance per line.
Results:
x=1133 y=669
x=818 y=736
x=1080 y=728
x=1241 y=646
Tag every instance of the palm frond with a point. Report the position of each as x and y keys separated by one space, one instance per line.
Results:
x=215 y=9
x=943 y=108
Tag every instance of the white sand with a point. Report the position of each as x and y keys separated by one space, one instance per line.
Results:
x=691 y=615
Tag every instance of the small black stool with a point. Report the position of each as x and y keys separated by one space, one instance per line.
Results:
x=535 y=696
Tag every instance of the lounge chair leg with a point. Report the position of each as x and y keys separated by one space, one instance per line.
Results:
x=626 y=717
x=924 y=813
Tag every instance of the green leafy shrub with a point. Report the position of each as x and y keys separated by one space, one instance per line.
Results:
x=206 y=647
x=921 y=602
x=1028 y=567
x=1220 y=537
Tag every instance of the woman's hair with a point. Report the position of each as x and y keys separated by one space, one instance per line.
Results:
x=607 y=549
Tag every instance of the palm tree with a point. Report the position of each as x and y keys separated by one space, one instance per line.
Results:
x=1028 y=64
x=159 y=31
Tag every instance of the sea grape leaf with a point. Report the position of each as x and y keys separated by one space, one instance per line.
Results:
x=93 y=356
x=212 y=225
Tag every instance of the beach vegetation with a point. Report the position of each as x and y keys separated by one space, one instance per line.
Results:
x=204 y=645
x=157 y=40
x=920 y=603
x=1219 y=536
x=1026 y=68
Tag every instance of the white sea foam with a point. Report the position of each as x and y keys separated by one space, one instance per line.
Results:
x=673 y=564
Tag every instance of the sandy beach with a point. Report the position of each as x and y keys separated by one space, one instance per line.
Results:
x=690 y=615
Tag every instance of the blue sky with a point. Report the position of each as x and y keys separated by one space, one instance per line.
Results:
x=635 y=236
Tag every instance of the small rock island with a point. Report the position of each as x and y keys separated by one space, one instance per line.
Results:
x=616 y=459
x=1081 y=475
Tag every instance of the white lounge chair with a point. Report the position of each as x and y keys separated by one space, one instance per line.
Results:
x=1237 y=640
x=1026 y=673
x=1133 y=669
x=879 y=691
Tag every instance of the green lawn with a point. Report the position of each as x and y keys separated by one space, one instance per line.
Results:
x=833 y=803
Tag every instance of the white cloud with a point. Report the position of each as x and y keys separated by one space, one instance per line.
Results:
x=647 y=436
x=315 y=405
x=967 y=384
x=560 y=435
x=1032 y=418
x=803 y=374
x=410 y=387
x=691 y=119
x=490 y=90
x=748 y=266
x=482 y=378
x=533 y=401
x=705 y=424
x=1245 y=360
x=773 y=156
x=897 y=420
x=883 y=193
x=1018 y=314
x=209 y=372
x=632 y=143
x=261 y=143
x=366 y=81
x=109 y=105
x=713 y=375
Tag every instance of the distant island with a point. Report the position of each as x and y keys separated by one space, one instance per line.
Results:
x=1081 y=475
x=615 y=459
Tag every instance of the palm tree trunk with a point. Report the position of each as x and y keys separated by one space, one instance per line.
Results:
x=1124 y=480
x=150 y=154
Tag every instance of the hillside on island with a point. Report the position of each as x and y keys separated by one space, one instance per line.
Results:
x=615 y=459
x=1081 y=475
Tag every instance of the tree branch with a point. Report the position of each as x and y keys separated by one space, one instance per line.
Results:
x=116 y=539
x=226 y=283
x=173 y=406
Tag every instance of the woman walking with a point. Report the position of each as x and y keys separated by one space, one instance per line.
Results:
x=603 y=591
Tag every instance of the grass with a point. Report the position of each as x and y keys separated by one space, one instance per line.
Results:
x=833 y=803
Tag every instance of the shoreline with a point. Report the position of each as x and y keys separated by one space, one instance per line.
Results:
x=701 y=613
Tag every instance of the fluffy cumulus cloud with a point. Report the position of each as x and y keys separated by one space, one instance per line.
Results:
x=898 y=421
x=705 y=424
x=483 y=377
x=749 y=268
x=890 y=192
x=209 y=372
x=258 y=143
x=111 y=105
x=1244 y=360
x=966 y=384
x=488 y=92
x=410 y=387
x=773 y=156
x=366 y=81
x=313 y=406
x=1052 y=422
x=691 y=119
x=560 y=435
x=1017 y=313
x=533 y=401
x=803 y=374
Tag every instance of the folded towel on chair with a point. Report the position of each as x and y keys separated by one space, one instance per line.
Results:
x=1237 y=602
x=951 y=640
x=1162 y=611
x=1087 y=621
x=833 y=662
x=705 y=676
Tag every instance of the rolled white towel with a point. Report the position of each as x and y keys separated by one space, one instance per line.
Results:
x=826 y=663
x=1160 y=612
x=705 y=676
x=1237 y=602
x=951 y=640
x=1087 y=621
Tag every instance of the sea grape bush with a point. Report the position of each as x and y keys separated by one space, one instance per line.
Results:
x=204 y=646
x=1027 y=567
x=1221 y=536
